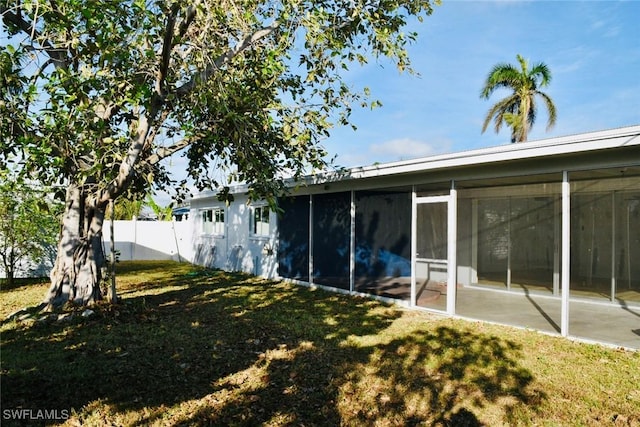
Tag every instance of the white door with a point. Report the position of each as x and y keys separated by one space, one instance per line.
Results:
x=434 y=253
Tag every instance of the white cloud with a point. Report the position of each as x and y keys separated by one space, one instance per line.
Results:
x=404 y=148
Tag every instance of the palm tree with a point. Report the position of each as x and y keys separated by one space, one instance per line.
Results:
x=518 y=110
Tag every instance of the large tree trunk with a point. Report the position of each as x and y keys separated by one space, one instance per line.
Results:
x=8 y=271
x=80 y=262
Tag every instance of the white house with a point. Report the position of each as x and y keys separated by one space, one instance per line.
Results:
x=543 y=234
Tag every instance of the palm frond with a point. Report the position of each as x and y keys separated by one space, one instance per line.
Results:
x=541 y=72
x=506 y=105
x=519 y=110
x=533 y=110
x=551 y=109
x=501 y=76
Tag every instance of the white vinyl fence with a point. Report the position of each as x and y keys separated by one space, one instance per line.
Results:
x=134 y=240
x=149 y=240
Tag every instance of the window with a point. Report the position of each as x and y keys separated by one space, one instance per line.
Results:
x=260 y=221
x=213 y=221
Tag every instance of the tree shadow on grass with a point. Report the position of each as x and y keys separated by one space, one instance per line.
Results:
x=234 y=350
x=437 y=377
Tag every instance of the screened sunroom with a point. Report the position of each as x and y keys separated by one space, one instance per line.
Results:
x=543 y=235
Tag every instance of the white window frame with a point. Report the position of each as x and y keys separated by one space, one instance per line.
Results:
x=213 y=221
x=260 y=228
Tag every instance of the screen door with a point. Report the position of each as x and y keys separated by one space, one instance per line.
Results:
x=431 y=264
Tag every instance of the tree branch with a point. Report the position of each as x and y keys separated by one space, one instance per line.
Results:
x=15 y=17
x=153 y=130
x=188 y=19
x=205 y=74
x=125 y=172
x=167 y=45
x=164 y=152
x=146 y=131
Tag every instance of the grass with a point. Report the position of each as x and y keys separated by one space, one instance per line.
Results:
x=189 y=346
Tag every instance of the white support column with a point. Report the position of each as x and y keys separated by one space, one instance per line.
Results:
x=509 y=245
x=310 y=238
x=566 y=255
x=352 y=244
x=628 y=234
x=613 y=247
x=414 y=243
x=452 y=237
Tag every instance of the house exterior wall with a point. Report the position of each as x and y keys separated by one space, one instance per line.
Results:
x=236 y=247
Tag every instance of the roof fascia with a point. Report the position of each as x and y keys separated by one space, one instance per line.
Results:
x=571 y=144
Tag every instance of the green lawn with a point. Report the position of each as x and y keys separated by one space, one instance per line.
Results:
x=190 y=346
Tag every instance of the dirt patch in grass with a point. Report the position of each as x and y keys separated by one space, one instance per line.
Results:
x=190 y=346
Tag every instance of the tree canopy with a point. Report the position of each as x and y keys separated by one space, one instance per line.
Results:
x=250 y=87
x=518 y=110
x=107 y=90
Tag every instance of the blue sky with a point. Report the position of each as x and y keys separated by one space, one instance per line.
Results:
x=591 y=47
